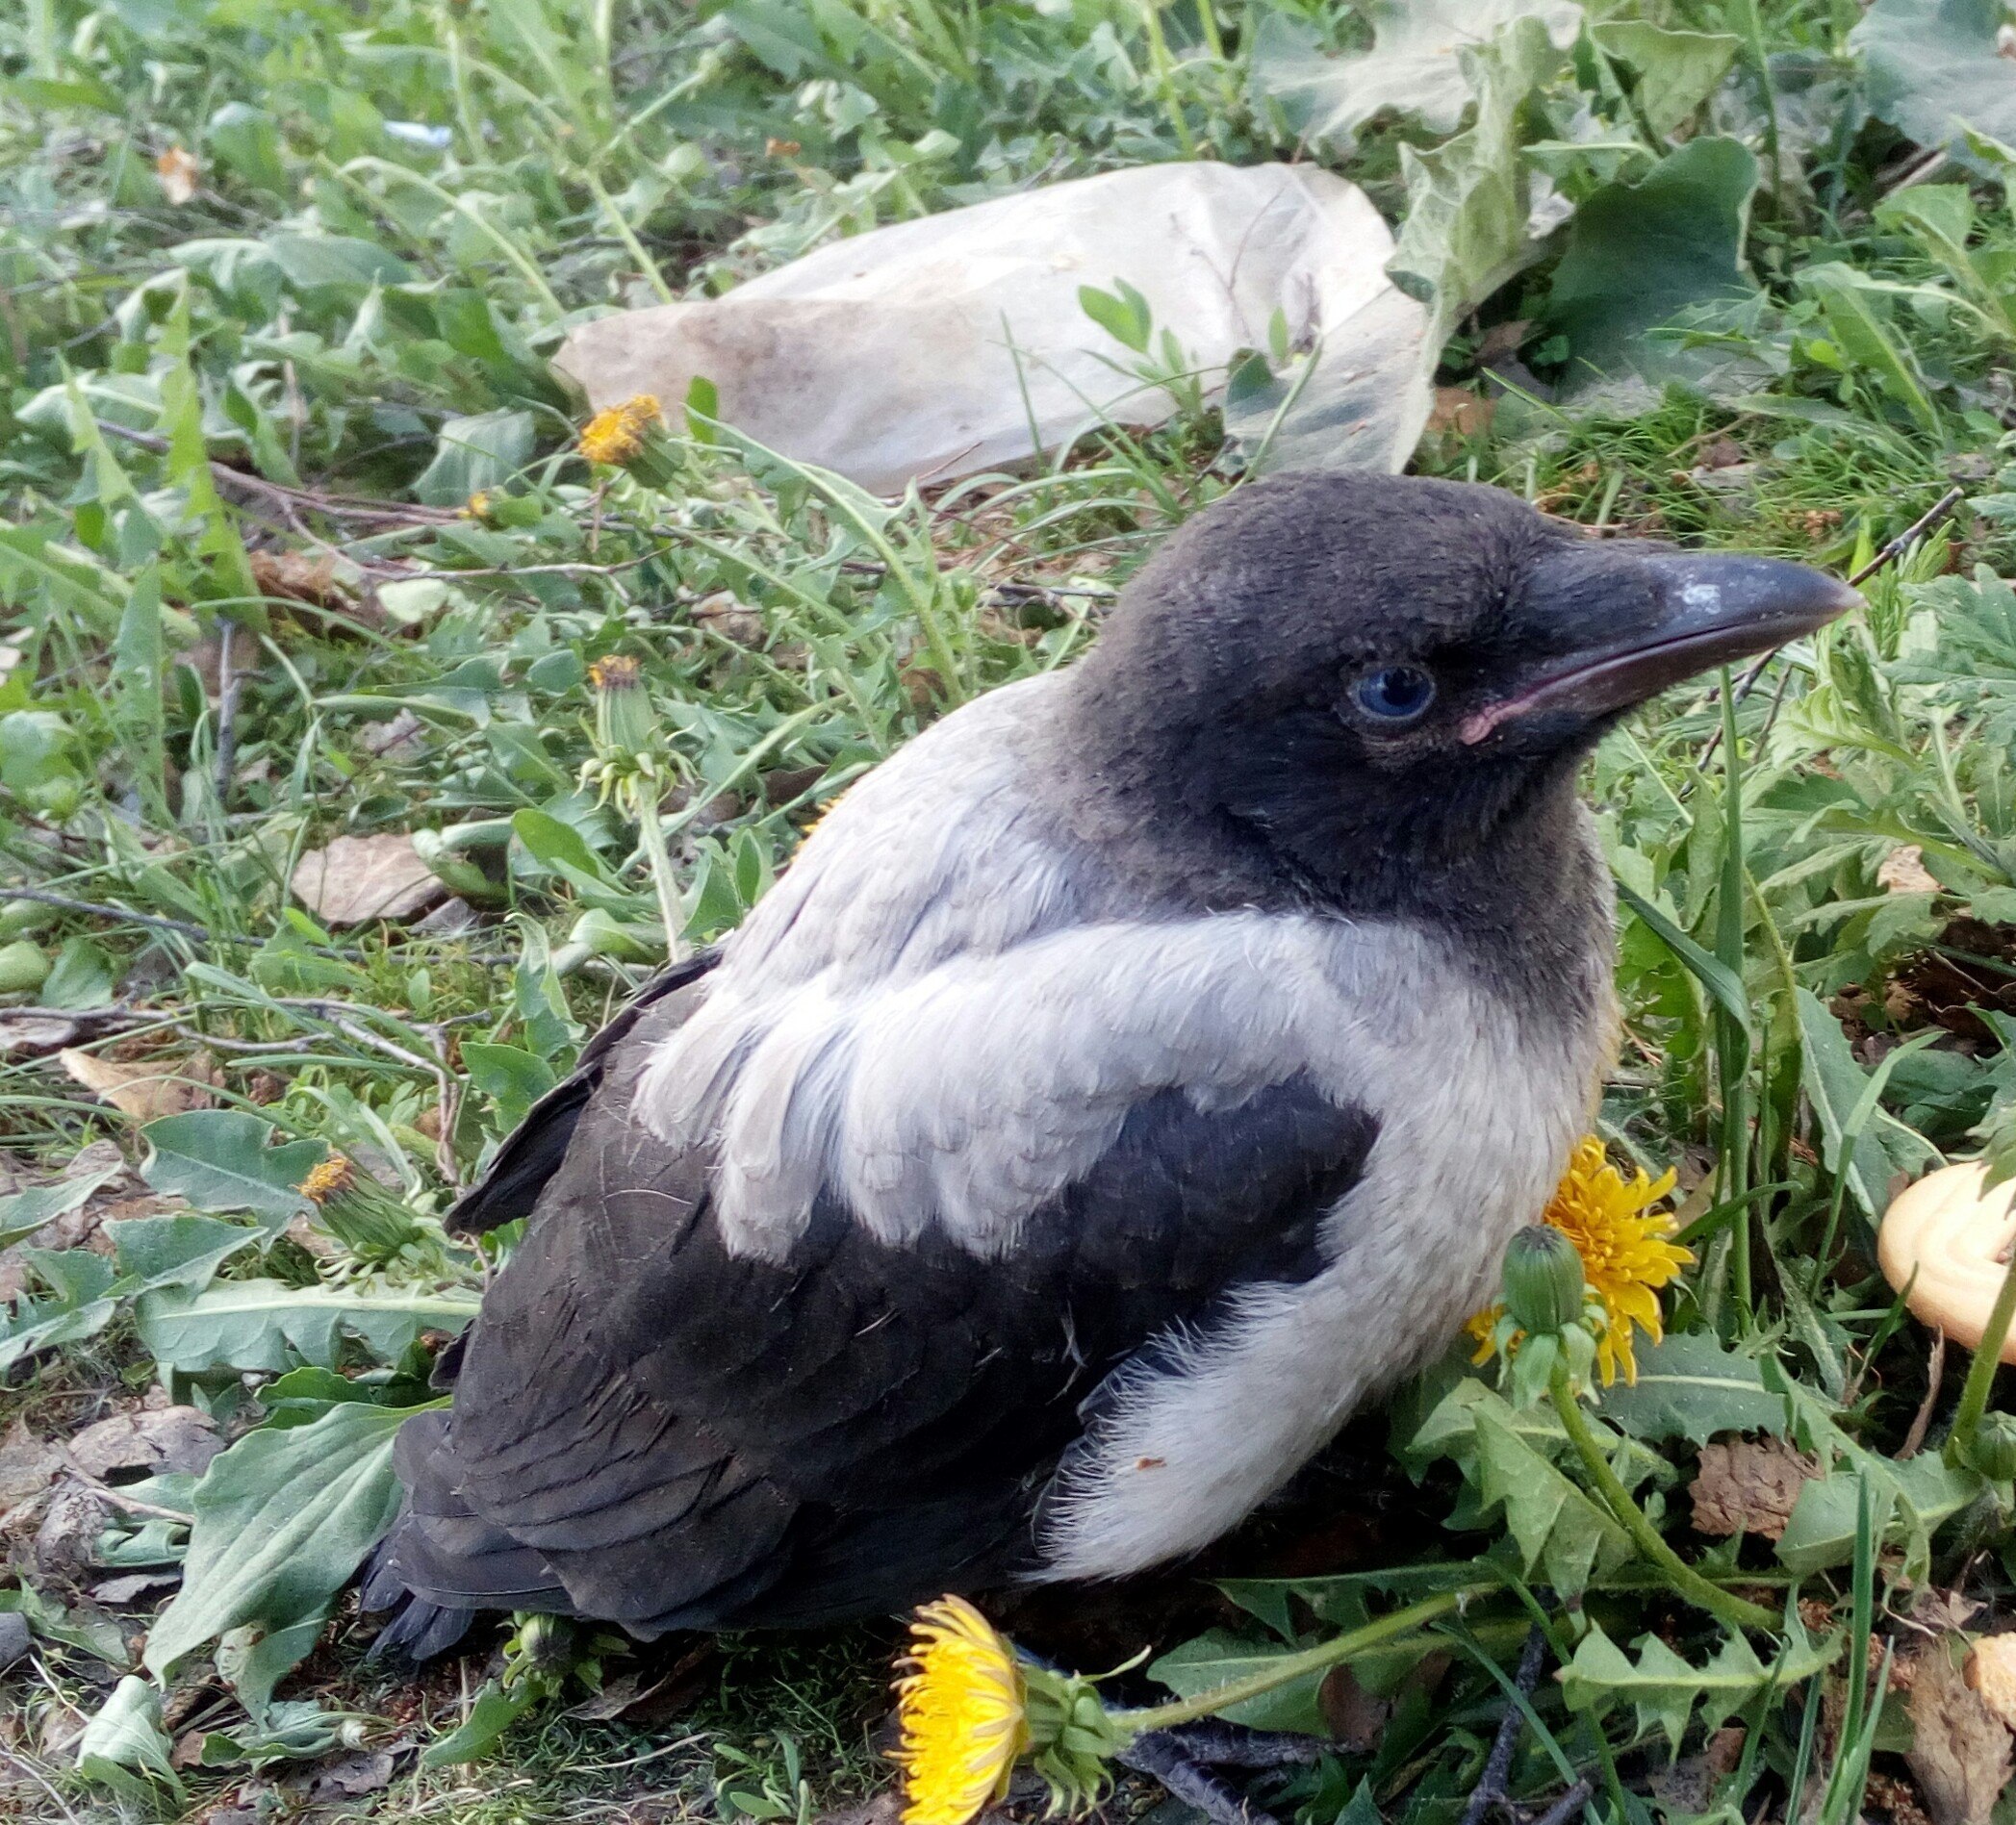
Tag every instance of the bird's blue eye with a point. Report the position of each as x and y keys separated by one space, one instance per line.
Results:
x=1395 y=694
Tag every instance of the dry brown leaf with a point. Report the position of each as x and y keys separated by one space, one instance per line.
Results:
x=133 y=1585
x=733 y=620
x=176 y=170
x=1357 y=1718
x=1943 y=1611
x=359 y=878
x=144 y=1092
x=1749 y=1486
x=1960 y=1755
x=68 y=1536
x=1904 y=872
x=1991 y=1671
x=152 y=1439
x=293 y=576
x=304 y=1235
x=1459 y=411
x=28 y=1465
x=1887 y=1793
x=395 y=740
x=366 y=1771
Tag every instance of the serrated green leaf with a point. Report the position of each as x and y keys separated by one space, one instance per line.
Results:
x=1415 y=66
x=1866 y=342
x=177 y=1250
x=1666 y=1692
x=267 y=1325
x=1690 y=1387
x=1676 y=70
x=219 y=1159
x=1467 y=200
x=1560 y=1534
x=56 y=578
x=283 y=1519
x=1920 y=1495
x=474 y=453
x=1834 y=1083
x=23 y=1212
x=1218 y=1656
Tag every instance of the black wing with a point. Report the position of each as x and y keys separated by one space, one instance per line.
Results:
x=652 y=1431
x=509 y=1186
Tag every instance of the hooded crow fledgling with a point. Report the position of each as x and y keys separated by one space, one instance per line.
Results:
x=1128 y=1079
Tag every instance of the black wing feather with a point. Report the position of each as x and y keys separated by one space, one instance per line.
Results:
x=685 y=1438
x=509 y=1186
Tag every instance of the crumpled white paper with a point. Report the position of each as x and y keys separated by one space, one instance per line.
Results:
x=936 y=348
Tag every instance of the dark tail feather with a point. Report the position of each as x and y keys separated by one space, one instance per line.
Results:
x=419 y=1630
x=441 y=1563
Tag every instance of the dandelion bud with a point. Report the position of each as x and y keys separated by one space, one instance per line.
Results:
x=1542 y=1280
x=546 y=1641
x=1992 y=1451
x=359 y=1212
x=624 y=722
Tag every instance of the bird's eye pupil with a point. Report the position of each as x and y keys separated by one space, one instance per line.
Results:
x=1395 y=692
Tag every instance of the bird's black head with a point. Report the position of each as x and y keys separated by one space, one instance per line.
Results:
x=1382 y=683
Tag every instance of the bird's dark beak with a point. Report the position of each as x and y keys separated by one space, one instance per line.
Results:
x=1619 y=623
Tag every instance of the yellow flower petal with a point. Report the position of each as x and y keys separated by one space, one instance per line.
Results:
x=962 y=1712
x=615 y=435
x=1623 y=1246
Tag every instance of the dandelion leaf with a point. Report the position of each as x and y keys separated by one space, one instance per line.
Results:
x=1934 y=71
x=1666 y=1690
x=1560 y=1534
x=1415 y=66
x=1690 y=1387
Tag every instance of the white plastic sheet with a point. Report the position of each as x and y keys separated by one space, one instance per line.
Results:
x=935 y=348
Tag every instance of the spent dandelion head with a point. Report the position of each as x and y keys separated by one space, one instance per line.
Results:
x=324 y=1181
x=616 y=435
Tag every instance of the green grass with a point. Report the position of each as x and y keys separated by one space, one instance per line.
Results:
x=791 y=633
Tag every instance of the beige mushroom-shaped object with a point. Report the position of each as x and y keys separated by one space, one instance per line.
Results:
x=1991 y=1670
x=1945 y=1244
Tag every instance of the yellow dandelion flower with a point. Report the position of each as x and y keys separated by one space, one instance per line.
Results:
x=334 y=1174
x=963 y=1714
x=615 y=435
x=1626 y=1257
x=1626 y=1253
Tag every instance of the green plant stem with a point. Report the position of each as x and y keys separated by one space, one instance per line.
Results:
x=651 y=834
x=1749 y=21
x=1980 y=1372
x=1732 y=1050
x=647 y=267
x=1165 y=66
x=1293 y=1667
x=1736 y=1611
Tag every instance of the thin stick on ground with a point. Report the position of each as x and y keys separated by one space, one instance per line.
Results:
x=228 y=685
x=1489 y=1790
